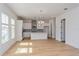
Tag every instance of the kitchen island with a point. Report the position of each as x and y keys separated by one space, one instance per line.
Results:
x=39 y=36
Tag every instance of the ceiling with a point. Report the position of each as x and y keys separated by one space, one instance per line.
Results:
x=40 y=10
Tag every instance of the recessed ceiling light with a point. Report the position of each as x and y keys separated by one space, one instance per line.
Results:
x=41 y=10
x=65 y=8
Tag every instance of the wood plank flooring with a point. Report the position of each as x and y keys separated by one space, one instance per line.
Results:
x=48 y=47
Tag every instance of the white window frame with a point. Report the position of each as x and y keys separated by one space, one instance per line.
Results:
x=6 y=25
x=9 y=27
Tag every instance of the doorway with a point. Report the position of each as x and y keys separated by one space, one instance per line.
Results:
x=63 y=30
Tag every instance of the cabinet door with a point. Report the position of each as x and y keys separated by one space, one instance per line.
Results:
x=26 y=34
x=27 y=26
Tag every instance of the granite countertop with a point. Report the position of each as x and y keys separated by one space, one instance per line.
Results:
x=30 y=30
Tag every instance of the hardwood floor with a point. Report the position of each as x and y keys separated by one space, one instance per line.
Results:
x=48 y=47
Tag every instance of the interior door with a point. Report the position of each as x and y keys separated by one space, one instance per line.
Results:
x=63 y=30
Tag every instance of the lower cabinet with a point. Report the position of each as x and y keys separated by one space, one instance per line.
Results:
x=26 y=34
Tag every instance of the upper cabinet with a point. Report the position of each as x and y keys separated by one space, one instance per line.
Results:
x=27 y=26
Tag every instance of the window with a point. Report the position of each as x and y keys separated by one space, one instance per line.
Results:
x=12 y=21
x=5 y=28
x=12 y=28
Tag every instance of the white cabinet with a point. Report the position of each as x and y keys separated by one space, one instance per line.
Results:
x=19 y=27
x=26 y=34
x=27 y=26
x=39 y=36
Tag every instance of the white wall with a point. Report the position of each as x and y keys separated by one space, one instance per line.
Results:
x=7 y=45
x=54 y=28
x=50 y=28
x=72 y=27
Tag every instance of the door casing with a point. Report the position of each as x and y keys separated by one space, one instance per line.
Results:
x=63 y=30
